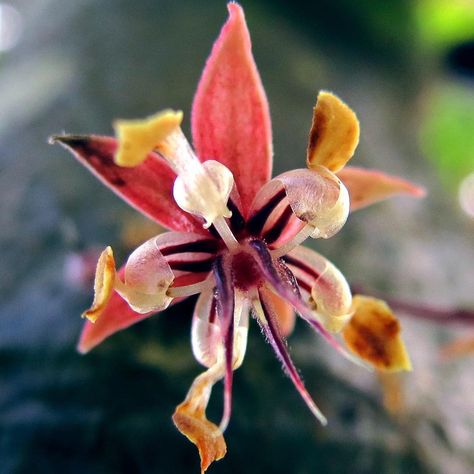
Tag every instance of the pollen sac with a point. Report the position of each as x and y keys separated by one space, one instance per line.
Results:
x=137 y=138
x=204 y=189
x=334 y=133
x=103 y=285
x=147 y=279
x=318 y=198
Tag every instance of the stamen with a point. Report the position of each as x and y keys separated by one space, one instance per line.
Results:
x=226 y=234
x=298 y=239
x=188 y=290
x=270 y=329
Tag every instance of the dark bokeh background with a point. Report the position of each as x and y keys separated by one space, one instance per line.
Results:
x=404 y=66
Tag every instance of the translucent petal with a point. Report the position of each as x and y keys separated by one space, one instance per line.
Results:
x=103 y=285
x=373 y=334
x=147 y=278
x=334 y=133
x=318 y=198
x=206 y=337
x=367 y=187
x=137 y=138
x=329 y=293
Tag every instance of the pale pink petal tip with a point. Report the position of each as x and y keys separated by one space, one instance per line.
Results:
x=367 y=186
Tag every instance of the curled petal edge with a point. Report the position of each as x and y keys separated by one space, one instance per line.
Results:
x=103 y=285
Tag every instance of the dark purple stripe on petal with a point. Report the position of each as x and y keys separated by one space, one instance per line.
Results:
x=302 y=266
x=237 y=222
x=196 y=266
x=206 y=245
x=257 y=222
x=274 y=233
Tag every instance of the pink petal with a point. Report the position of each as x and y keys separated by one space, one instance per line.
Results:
x=230 y=117
x=147 y=187
x=367 y=187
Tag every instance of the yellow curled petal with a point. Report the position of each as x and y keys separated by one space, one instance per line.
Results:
x=137 y=138
x=103 y=285
x=334 y=133
x=373 y=334
x=190 y=418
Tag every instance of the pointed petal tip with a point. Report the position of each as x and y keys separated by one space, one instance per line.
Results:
x=67 y=140
x=235 y=9
x=82 y=349
x=84 y=346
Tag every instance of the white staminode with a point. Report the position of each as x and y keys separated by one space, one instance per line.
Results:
x=202 y=189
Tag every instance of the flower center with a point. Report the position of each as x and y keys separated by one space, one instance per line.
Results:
x=245 y=270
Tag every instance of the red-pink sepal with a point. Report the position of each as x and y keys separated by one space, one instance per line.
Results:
x=230 y=116
x=147 y=187
x=368 y=186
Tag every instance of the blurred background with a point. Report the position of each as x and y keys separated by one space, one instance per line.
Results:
x=406 y=67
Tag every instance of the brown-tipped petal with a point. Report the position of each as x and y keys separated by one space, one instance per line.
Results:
x=190 y=418
x=103 y=285
x=147 y=187
x=367 y=187
x=334 y=133
x=373 y=334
